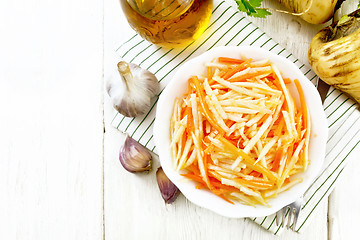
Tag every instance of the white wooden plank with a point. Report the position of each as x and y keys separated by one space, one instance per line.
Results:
x=343 y=210
x=343 y=207
x=51 y=121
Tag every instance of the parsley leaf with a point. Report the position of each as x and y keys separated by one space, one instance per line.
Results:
x=251 y=8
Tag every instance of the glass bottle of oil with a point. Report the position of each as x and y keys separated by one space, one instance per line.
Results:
x=168 y=23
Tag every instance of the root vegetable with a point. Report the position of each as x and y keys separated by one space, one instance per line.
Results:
x=312 y=11
x=334 y=54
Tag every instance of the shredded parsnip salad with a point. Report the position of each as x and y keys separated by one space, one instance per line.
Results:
x=238 y=131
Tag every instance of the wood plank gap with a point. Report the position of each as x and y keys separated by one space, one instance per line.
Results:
x=103 y=120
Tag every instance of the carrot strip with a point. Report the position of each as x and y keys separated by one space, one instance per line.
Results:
x=209 y=149
x=278 y=155
x=290 y=152
x=210 y=73
x=254 y=184
x=205 y=109
x=190 y=121
x=200 y=186
x=194 y=169
x=219 y=191
x=190 y=87
x=223 y=197
x=206 y=176
x=287 y=80
x=277 y=83
x=299 y=124
x=194 y=177
x=226 y=187
x=280 y=126
x=236 y=69
x=271 y=133
x=306 y=122
x=230 y=60
x=302 y=102
x=255 y=174
x=211 y=81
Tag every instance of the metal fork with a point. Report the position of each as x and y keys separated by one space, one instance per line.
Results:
x=290 y=211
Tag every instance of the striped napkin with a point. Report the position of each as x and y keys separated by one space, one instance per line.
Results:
x=230 y=27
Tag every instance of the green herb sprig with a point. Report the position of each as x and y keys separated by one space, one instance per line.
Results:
x=252 y=8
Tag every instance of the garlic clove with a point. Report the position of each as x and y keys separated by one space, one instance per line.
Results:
x=131 y=89
x=134 y=157
x=169 y=191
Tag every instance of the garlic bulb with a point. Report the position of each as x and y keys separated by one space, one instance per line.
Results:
x=134 y=157
x=169 y=191
x=131 y=89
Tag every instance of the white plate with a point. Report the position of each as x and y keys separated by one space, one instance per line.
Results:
x=204 y=198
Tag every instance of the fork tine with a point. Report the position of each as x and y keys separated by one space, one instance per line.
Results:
x=279 y=216
x=296 y=215
x=291 y=210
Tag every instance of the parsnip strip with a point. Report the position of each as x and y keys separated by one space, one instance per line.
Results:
x=268 y=90
x=239 y=174
x=239 y=102
x=243 y=198
x=288 y=98
x=249 y=106
x=282 y=164
x=173 y=117
x=244 y=189
x=258 y=135
x=291 y=163
x=254 y=120
x=307 y=140
x=227 y=175
x=191 y=159
x=179 y=149
x=185 y=153
x=288 y=123
x=214 y=99
x=293 y=182
x=244 y=137
x=239 y=122
x=251 y=70
x=276 y=116
x=216 y=115
x=180 y=131
x=217 y=65
x=240 y=110
x=237 y=89
x=199 y=156
x=266 y=149
x=260 y=63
